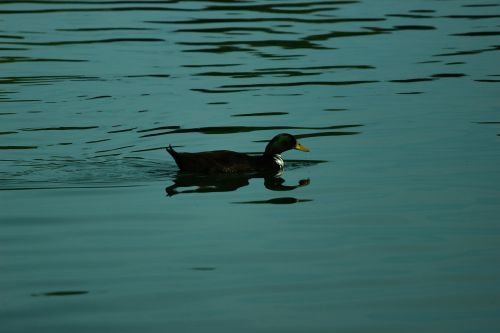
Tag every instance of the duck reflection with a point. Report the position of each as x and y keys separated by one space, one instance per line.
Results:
x=199 y=183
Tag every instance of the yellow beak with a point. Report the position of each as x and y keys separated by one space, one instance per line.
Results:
x=300 y=147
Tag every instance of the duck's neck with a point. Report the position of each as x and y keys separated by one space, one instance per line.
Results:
x=271 y=149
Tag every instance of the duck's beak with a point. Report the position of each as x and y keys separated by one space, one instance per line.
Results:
x=300 y=147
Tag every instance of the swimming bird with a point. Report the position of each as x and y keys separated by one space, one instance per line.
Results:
x=225 y=161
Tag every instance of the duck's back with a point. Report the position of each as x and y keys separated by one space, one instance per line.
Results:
x=216 y=161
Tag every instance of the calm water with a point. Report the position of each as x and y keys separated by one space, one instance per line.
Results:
x=389 y=224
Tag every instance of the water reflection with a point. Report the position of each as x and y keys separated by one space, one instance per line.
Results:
x=200 y=183
x=275 y=201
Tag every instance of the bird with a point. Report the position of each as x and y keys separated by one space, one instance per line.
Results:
x=230 y=162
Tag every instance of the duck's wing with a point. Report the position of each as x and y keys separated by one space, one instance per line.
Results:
x=217 y=161
x=231 y=162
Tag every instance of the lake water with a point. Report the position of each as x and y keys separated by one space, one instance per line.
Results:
x=390 y=223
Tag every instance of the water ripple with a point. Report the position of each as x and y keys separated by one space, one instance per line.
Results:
x=61 y=128
x=45 y=79
x=469 y=52
x=99 y=172
x=30 y=59
x=224 y=20
x=297 y=84
x=90 y=41
x=282 y=8
x=243 y=129
x=95 y=9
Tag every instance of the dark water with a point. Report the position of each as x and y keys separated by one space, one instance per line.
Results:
x=389 y=224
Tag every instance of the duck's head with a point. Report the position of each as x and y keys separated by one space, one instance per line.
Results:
x=283 y=142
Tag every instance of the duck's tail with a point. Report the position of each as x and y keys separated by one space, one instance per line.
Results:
x=171 y=150
x=174 y=154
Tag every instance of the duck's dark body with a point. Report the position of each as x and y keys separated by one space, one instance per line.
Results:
x=225 y=161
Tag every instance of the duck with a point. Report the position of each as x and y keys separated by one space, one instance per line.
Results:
x=231 y=162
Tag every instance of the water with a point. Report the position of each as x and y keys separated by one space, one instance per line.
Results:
x=389 y=224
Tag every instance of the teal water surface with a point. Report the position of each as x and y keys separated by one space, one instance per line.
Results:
x=389 y=224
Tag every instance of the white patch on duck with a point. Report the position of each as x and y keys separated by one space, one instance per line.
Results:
x=277 y=158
